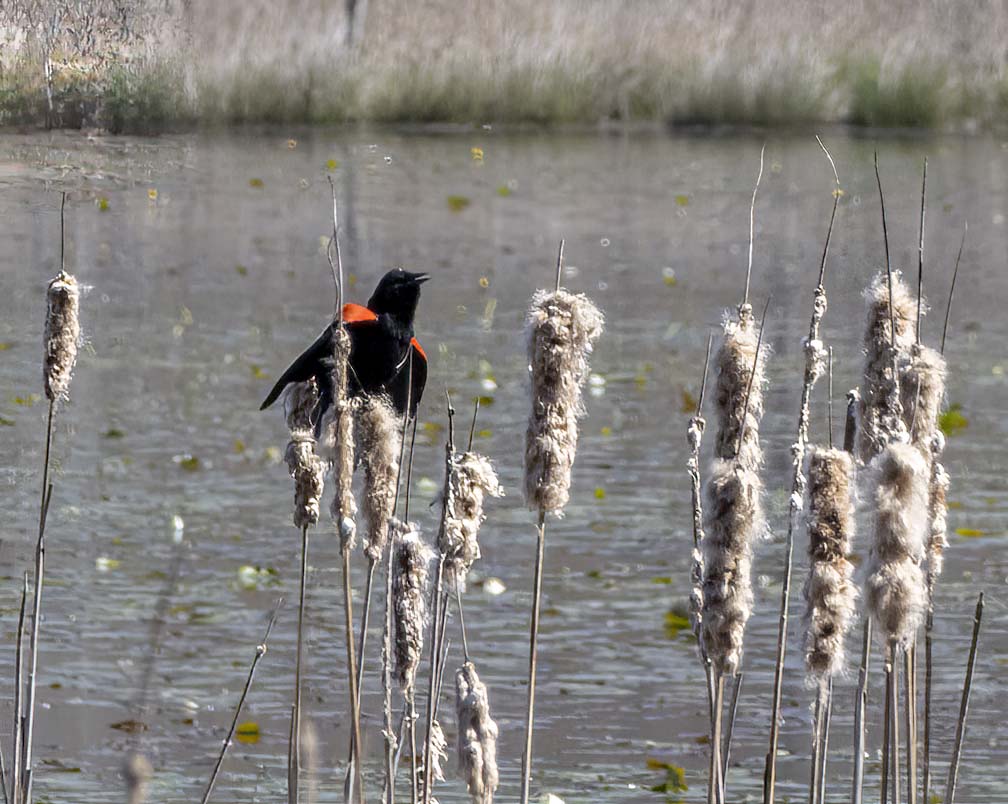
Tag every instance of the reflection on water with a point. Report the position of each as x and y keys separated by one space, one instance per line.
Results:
x=206 y=260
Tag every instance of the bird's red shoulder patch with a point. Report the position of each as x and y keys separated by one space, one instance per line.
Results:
x=357 y=313
x=419 y=348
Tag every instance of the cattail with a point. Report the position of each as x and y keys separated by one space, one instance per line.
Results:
x=937 y=524
x=378 y=428
x=741 y=375
x=694 y=434
x=438 y=752
x=899 y=502
x=339 y=429
x=560 y=328
x=881 y=413
x=409 y=589
x=62 y=333
x=472 y=479
x=307 y=469
x=477 y=736
x=829 y=592
x=922 y=388
x=732 y=515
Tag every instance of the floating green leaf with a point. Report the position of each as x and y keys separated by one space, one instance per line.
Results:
x=675 y=778
x=599 y=493
x=103 y=204
x=952 y=420
x=27 y=400
x=675 y=623
x=456 y=203
x=189 y=462
x=256 y=182
x=5 y=422
x=664 y=580
x=332 y=164
x=241 y=270
x=682 y=200
x=503 y=191
x=689 y=401
x=113 y=432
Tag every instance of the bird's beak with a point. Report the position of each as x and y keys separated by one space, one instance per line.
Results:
x=421 y=278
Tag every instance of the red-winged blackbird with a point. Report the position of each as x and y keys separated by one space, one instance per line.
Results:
x=383 y=352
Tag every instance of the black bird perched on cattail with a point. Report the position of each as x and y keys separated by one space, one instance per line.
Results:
x=382 y=344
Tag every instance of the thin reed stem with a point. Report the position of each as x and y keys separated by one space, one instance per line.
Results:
x=260 y=652
x=860 y=711
x=752 y=225
x=29 y=727
x=887 y=721
x=559 y=265
x=432 y=681
x=817 y=752
x=18 y=687
x=920 y=258
x=730 y=729
x=812 y=369
x=955 y=275
x=889 y=274
x=894 y=714
x=828 y=716
x=953 y=774
x=294 y=752
x=926 y=759
x=910 y=723
x=533 y=655
x=716 y=780
x=355 y=735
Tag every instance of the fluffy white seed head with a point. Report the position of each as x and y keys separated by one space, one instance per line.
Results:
x=881 y=412
x=62 y=335
x=409 y=592
x=472 y=479
x=898 y=499
x=733 y=515
x=830 y=593
x=937 y=524
x=737 y=365
x=338 y=428
x=477 y=736
x=380 y=434
x=560 y=329
x=922 y=389
x=304 y=465
x=439 y=752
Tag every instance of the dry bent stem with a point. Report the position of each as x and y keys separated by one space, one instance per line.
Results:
x=813 y=369
x=260 y=652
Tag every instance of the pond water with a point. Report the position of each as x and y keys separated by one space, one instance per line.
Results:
x=205 y=259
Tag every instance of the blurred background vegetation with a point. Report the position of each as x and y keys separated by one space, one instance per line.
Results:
x=152 y=65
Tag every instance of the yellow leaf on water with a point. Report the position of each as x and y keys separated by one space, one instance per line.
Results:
x=599 y=493
x=675 y=623
x=103 y=204
x=292 y=144
x=689 y=401
x=248 y=732
x=503 y=191
x=27 y=400
x=952 y=420
x=257 y=372
x=970 y=533
x=682 y=200
x=456 y=203
x=477 y=154
x=256 y=182
x=332 y=164
x=152 y=194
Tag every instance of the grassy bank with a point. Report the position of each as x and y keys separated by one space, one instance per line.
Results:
x=570 y=61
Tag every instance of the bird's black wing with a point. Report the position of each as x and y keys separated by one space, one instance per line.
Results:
x=304 y=368
x=409 y=381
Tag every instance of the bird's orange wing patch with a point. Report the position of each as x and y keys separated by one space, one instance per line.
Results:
x=419 y=348
x=357 y=313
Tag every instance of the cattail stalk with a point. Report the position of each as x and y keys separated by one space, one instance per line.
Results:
x=308 y=473
x=561 y=329
x=137 y=772
x=829 y=590
x=815 y=365
x=477 y=736
x=16 y=740
x=62 y=335
x=259 y=653
x=953 y=774
x=409 y=590
x=437 y=633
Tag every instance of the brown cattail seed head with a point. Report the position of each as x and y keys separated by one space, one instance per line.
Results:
x=560 y=329
x=472 y=479
x=737 y=366
x=477 y=736
x=62 y=333
x=732 y=516
x=894 y=585
x=881 y=415
x=830 y=593
x=305 y=467
x=378 y=428
x=409 y=591
x=339 y=431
